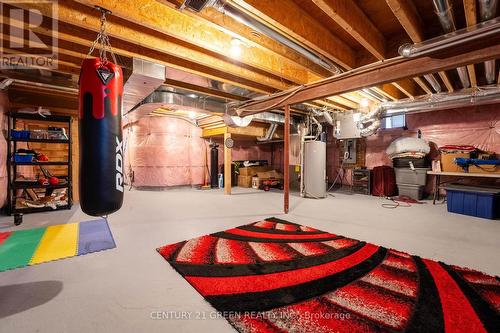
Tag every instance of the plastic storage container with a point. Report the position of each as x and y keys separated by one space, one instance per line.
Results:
x=410 y=190
x=409 y=176
x=473 y=201
x=20 y=134
x=404 y=162
x=23 y=158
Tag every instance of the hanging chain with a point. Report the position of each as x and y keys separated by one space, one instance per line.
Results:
x=102 y=40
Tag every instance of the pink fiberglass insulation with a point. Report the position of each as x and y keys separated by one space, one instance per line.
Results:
x=477 y=126
x=244 y=150
x=165 y=151
x=4 y=105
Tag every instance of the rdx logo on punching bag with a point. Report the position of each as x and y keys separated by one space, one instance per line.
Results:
x=119 y=165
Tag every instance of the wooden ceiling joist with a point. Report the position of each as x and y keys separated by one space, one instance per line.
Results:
x=330 y=104
x=446 y=81
x=422 y=85
x=386 y=72
x=233 y=27
x=294 y=21
x=391 y=92
x=176 y=24
x=471 y=19
x=352 y=19
x=407 y=14
x=131 y=35
x=343 y=101
x=407 y=87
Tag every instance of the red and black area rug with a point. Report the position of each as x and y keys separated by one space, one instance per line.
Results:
x=277 y=276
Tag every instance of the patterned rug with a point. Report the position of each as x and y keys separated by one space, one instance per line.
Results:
x=277 y=276
x=22 y=248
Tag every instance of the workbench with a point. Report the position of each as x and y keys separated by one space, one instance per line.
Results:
x=437 y=179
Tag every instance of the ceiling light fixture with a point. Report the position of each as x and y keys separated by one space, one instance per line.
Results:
x=235 y=49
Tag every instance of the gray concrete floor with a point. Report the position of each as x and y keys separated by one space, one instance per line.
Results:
x=120 y=290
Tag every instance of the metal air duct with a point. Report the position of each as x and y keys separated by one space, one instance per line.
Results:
x=487 y=11
x=230 y=10
x=235 y=121
x=145 y=78
x=445 y=15
x=433 y=82
x=463 y=98
x=242 y=17
x=269 y=134
x=459 y=37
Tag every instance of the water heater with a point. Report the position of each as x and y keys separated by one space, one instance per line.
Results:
x=315 y=169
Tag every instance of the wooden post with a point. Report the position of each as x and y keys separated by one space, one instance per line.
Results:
x=228 y=160
x=286 y=159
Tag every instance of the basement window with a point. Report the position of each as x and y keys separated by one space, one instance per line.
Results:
x=396 y=121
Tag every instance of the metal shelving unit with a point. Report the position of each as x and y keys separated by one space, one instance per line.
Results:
x=13 y=185
x=361 y=181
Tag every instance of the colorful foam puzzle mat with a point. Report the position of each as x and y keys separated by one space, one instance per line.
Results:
x=22 y=248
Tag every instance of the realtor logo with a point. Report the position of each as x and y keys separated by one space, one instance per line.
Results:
x=29 y=34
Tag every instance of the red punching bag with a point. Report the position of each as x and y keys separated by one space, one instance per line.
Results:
x=100 y=134
x=100 y=137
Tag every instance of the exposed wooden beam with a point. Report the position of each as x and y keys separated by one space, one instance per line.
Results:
x=422 y=85
x=330 y=104
x=204 y=90
x=235 y=28
x=343 y=101
x=156 y=45
x=446 y=81
x=471 y=19
x=176 y=24
x=286 y=161
x=294 y=21
x=353 y=97
x=407 y=87
x=407 y=15
x=254 y=130
x=388 y=71
x=207 y=133
x=391 y=91
x=353 y=20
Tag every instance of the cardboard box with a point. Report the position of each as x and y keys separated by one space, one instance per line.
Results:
x=447 y=163
x=494 y=169
x=253 y=170
x=269 y=174
x=245 y=181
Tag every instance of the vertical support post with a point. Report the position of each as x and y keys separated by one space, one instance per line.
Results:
x=286 y=160
x=228 y=160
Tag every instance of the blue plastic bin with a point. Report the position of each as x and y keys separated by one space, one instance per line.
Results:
x=20 y=134
x=473 y=201
x=23 y=158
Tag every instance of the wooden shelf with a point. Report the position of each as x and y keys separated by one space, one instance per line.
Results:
x=27 y=210
x=41 y=140
x=40 y=163
x=26 y=185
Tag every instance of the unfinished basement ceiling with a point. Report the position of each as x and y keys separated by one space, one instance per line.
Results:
x=201 y=44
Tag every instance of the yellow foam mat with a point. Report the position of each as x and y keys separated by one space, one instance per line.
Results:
x=58 y=241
